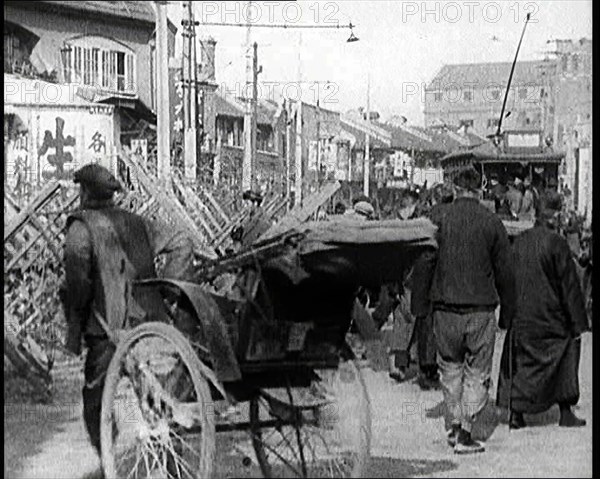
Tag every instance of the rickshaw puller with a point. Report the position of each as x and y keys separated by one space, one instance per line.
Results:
x=106 y=248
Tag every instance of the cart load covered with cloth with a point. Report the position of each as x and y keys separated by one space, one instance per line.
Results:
x=266 y=328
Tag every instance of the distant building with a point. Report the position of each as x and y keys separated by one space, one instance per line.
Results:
x=472 y=94
x=572 y=102
x=553 y=95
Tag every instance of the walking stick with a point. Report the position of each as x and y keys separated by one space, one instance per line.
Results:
x=510 y=371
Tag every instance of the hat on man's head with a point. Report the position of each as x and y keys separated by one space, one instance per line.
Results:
x=98 y=181
x=361 y=198
x=364 y=208
x=468 y=180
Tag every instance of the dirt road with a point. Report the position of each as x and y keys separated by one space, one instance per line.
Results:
x=50 y=442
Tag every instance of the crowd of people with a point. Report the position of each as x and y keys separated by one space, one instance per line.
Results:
x=449 y=301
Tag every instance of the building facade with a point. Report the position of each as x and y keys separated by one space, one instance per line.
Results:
x=79 y=82
x=472 y=95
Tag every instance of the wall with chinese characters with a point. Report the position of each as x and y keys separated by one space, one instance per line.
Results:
x=52 y=142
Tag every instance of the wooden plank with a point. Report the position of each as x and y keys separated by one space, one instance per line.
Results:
x=300 y=214
x=209 y=231
x=39 y=201
x=215 y=205
x=191 y=196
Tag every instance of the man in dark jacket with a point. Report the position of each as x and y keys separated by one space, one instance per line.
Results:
x=106 y=248
x=471 y=273
x=543 y=340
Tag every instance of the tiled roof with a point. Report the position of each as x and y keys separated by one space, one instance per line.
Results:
x=350 y=128
x=483 y=74
x=445 y=141
x=403 y=139
x=234 y=107
x=140 y=11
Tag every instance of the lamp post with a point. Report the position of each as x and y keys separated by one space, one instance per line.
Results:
x=367 y=162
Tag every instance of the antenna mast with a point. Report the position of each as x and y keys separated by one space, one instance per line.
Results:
x=512 y=70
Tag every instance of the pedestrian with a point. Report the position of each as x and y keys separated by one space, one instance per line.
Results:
x=544 y=338
x=362 y=210
x=106 y=248
x=470 y=274
x=550 y=194
x=340 y=208
x=421 y=307
x=514 y=198
x=402 y=335
x=528 y=203
x=408 y=204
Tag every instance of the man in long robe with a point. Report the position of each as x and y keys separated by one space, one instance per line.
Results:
x=544 y=340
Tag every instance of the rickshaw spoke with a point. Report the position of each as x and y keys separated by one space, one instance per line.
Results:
x=135 y=468
x=281 y=458
x=184 y=442
x=171 y=449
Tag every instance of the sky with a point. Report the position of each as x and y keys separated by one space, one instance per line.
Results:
x=402 y=44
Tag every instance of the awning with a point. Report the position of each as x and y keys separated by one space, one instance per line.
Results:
x=489 y=153
x=45 y=56
x=134 y=106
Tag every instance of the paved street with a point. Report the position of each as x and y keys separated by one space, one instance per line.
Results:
x=408 y=438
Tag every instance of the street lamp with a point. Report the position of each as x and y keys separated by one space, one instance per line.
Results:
x=352 y=38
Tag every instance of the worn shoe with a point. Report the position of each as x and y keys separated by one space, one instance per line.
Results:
x=428 y=382
x=568 y=419
x=516 y=420
x=466 y=444
x=399 y=375
x=452 y=435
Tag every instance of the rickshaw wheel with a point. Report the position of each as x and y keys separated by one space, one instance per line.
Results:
x=155 y=416
x=320 y=431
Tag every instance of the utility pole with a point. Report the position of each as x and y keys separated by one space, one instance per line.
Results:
x=198 y=104
x=162 y=90
x=255 y=71
x=367 y=162
x=190 y=132
x=318 y=158
x=298 y=155
x=247 y=172
x=288 y=153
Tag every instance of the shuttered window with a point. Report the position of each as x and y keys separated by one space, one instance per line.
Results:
x=110 y=70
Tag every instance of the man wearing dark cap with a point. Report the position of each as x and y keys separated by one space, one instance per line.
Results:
x=106 y=249
x=470 y=274
x=540 y=359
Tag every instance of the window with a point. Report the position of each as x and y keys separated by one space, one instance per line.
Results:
x=467 y=123
x=493 y=122
x=575 y=63
x=468 y=95
x=522 y=93
x=100 y=62
x=542 y=92
x=264 y=140
x=437 y=96
x=564 y=63
x=18 y=43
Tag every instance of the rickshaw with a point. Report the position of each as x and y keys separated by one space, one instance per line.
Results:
x=265 y=328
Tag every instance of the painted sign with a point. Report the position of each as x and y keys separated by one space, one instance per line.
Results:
x=57 y=142
x=402 y=162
